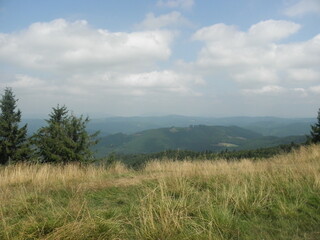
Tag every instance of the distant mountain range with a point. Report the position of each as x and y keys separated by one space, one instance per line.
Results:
x=195 y=138
x=267 y=126
x=152 y=134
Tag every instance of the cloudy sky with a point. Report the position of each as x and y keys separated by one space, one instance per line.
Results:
x=159 y=57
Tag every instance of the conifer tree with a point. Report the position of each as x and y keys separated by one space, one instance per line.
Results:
x=13 y=139
x=315 y=131
x=64 y=139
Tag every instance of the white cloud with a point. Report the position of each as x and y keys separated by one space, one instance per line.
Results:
x=304 y=74
x=275 y=90
x=303 y=7
x=24 y=81
x=272 y=89
x=175 y=82
x=107 y=92
x=73 y=46
x=262 y=32
x=284 y=95
x=257 y=75
x=31 y=85
x=271 y=30
x=173 y=19
x=256 y=57
x=185 y=4
x=301 y=92
x=226 y=46
x=72 y=63
x=123 y=73
x=315 y=89
x=153 y=84
x=145 y=83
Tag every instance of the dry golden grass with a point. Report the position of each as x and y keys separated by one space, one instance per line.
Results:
x=284 y=184
x=304 y=160
x=43 y=176
x=269 y=198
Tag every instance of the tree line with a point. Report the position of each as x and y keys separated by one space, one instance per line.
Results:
x=64 y=138
x=139 y=160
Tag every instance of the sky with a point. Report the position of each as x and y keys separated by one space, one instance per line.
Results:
x=213 y=58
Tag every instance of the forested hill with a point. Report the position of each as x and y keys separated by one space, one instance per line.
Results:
x=195 y=138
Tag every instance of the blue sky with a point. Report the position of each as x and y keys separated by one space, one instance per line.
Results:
x=139 y=57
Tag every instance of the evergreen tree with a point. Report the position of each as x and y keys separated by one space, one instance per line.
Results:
x=315 y=131
x=13 y=140
x=65 y=139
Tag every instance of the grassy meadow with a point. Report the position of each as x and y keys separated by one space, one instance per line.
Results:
x=277 y=198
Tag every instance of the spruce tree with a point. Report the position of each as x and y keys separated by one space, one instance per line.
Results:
x=315 y=131
x=64 y=139
x=13 y=139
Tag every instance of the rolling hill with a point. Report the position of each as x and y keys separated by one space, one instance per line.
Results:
x=195 y=138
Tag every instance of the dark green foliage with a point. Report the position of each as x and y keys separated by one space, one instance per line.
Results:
x=315 y=131
x=65 y=139
x=13 y=140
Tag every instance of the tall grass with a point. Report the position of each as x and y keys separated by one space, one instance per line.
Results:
x=276 y=198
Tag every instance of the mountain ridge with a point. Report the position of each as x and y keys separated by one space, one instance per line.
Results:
x=266 y=126
x=194 y=138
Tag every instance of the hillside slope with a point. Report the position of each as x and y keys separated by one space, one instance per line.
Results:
x=195 y=138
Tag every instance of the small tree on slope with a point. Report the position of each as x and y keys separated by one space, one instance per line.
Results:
x=13 y=140
x=315 y=131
